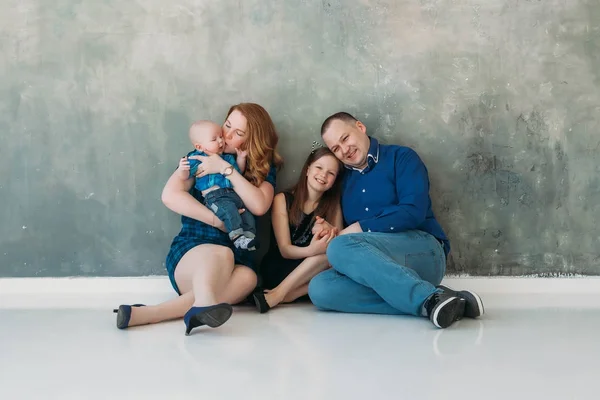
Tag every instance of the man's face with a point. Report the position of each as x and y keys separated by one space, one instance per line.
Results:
x=349 y=142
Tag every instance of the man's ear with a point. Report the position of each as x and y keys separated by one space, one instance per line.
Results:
x=361 y=127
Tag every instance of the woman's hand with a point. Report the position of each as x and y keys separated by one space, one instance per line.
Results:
x=212 y=164
x=217 y=223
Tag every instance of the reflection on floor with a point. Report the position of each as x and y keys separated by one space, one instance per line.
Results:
x=526 y=347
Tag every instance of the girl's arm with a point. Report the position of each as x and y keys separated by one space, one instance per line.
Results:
x=281 y=227
x=176 y=197
x=257 y=200
x=323 y=227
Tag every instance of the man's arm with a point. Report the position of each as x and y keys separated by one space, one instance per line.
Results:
x=412 y=188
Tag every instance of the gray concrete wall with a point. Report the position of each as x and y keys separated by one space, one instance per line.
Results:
x=500 y=98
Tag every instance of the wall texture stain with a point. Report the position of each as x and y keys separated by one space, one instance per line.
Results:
x=501 y=99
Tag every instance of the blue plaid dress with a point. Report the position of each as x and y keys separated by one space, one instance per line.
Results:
x=194 y=233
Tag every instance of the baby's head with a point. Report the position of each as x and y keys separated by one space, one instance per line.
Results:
x=207 y=136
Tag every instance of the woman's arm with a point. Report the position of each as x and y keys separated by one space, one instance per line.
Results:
x=280 y=221
x=176 y=197
x=257 y=200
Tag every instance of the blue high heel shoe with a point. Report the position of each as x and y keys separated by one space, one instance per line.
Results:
x=124 y=314
x=213 y=316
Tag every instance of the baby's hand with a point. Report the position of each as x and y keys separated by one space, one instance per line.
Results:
x=241 y=153
x=183 y=170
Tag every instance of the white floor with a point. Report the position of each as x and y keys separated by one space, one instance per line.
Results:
x=526 y=347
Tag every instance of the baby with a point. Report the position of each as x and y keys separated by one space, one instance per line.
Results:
x=218 y=193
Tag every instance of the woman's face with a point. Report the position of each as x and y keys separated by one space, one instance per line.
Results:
x=235 y=131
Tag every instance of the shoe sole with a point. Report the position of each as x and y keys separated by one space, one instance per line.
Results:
x=474 y=307
x=258 y=304
x=215 y=317
x=448 y=312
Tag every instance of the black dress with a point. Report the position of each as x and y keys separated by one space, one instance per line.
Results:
x=274 y=268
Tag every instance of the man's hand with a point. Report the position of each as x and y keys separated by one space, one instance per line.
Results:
x=354 y=228
x=318 y=245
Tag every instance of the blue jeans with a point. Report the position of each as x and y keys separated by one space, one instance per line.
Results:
x=226 y=203
x=380 y=273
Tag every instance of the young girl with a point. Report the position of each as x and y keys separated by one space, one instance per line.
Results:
x=295 y=255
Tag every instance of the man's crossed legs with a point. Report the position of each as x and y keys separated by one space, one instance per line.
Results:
x=384 y=273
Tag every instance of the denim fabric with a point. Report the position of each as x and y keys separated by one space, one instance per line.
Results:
x=380 y=273
x=225 y=203
x=195 y=233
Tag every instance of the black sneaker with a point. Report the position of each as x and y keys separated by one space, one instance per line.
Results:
x=444 y=308
x=474 y=307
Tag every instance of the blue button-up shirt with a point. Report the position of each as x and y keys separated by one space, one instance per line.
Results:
x=391 y=194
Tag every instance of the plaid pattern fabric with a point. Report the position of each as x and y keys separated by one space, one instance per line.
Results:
x=211 y=180
x=194 y=233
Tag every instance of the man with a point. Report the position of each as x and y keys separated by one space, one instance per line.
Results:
x=391 y=257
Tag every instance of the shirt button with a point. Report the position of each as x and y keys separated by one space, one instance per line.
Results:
x=367 y=209
x=364 y=190
x=392 y=228
x=368 y=230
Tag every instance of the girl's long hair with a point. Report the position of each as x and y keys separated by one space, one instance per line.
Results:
x=331 y=199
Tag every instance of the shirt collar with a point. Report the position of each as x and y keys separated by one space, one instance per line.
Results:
x=372 y=156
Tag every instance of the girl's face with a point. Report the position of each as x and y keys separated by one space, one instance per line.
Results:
x=235 y=131
x=322 y=173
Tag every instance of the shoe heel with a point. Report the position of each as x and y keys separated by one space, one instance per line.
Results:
x=116 y=310
x=261 y=302
x=191 y=319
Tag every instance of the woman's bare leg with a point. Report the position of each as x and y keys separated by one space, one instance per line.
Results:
x=298 y=278
x=296 y=293
x=241 y=283
x=205 y=272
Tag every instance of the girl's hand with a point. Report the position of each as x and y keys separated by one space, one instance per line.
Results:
x=322 y=228
x=318 y=245
x=212 y=164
